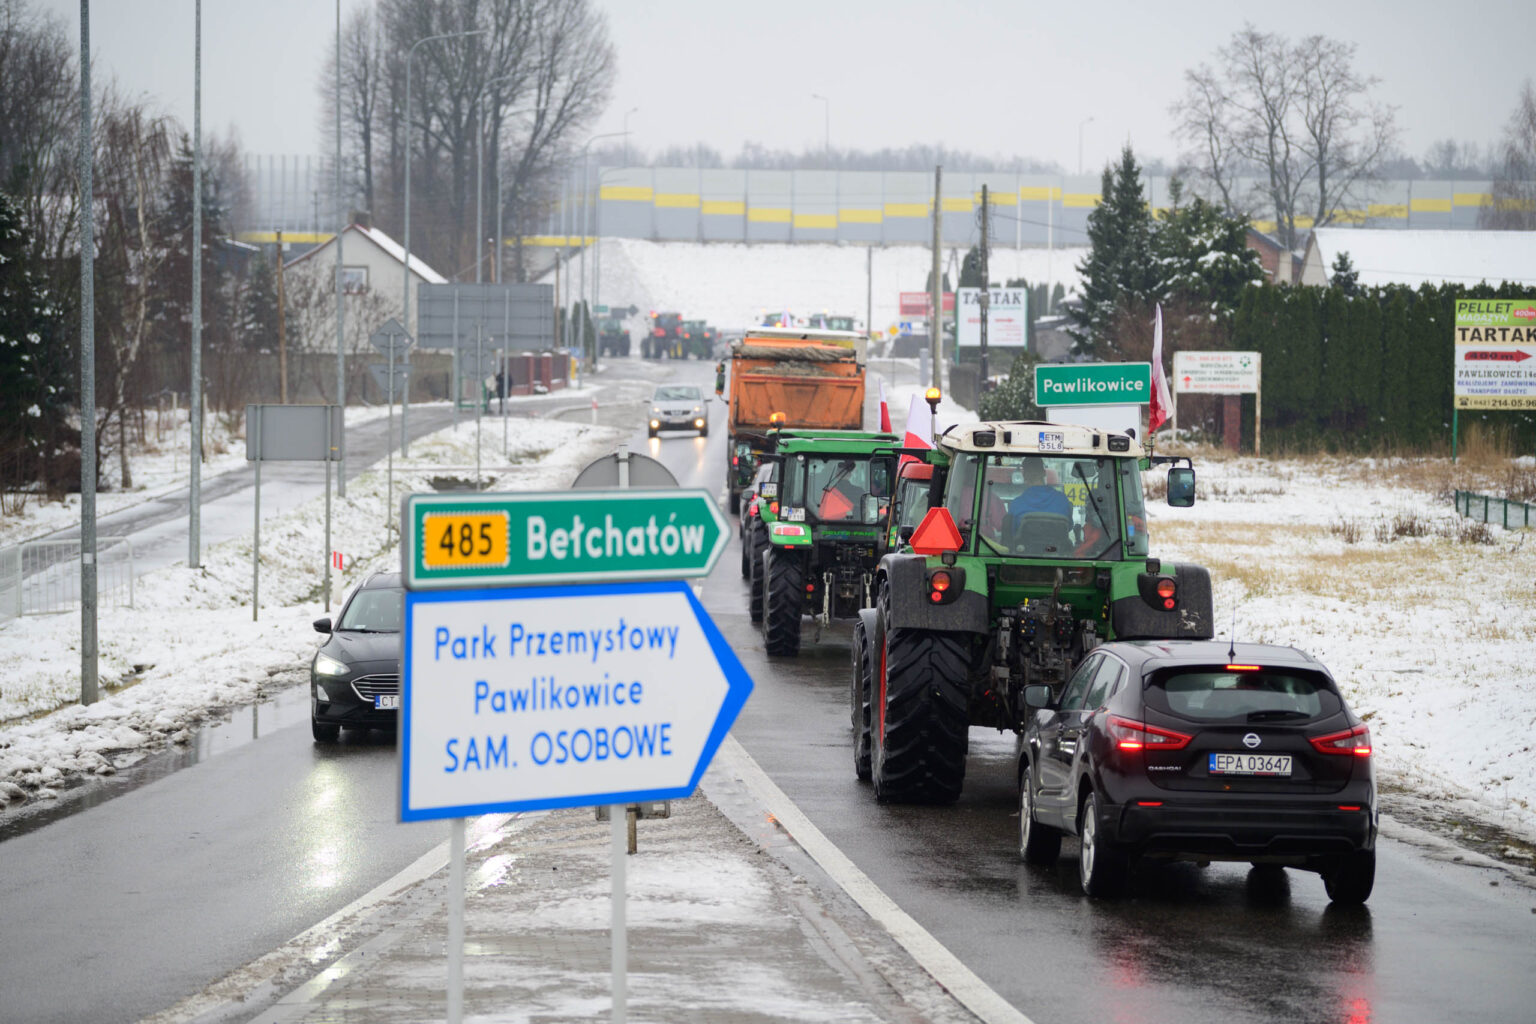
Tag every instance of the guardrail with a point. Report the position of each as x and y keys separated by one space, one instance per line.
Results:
x=42 y=577
x=1512 y=515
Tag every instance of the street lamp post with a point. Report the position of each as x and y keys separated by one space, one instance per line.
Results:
x=1080 y=125
x=631 y=110
x=404 y=406
x=581 y=290
x=826 y=111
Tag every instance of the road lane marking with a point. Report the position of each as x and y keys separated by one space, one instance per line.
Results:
x=931 y=954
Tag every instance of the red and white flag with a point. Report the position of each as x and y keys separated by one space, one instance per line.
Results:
x=1162 y=402
x=885 y=410
x=919 y=429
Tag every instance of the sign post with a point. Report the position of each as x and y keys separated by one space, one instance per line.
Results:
x=553 y=657
x=392 y=340
x=1495 y=357
x=1220 y=373
x=291 y=433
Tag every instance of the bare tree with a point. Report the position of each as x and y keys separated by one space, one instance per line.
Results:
x=515 y=97
x=131 y=169
x=364 y=73
x=1295 y=112
x=1203 y=114
x=1344 y=139
x=1514 y=184
x=39 y=112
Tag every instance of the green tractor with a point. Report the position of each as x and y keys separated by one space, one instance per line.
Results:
x=1034 y=550
x=816 y=552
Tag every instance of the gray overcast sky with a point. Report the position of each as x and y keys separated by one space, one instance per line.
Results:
x=989 y=76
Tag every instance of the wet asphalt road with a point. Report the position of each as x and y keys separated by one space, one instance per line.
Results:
x=227 y=850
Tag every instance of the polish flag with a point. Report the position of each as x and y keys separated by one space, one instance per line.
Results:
x=1157 y=415
x=919 y=430
x=885 y=410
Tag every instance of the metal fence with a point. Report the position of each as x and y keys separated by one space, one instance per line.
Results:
x=1512 y=515
x=42 y=577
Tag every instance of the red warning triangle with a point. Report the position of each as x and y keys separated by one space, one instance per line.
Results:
x=936 y=533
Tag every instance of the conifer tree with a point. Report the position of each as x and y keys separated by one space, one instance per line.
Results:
x=1118 y=270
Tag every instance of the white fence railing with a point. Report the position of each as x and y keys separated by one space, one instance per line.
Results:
x=42 y=577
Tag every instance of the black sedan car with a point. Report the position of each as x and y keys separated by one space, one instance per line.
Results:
x=355 y=677
x=1199 y=751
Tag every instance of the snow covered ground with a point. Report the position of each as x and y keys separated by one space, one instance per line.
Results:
x=189 y=648
x=733 y=285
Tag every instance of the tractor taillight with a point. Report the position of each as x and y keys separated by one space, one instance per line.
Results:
x=773 y=507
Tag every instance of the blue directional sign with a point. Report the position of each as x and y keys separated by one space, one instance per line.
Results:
x=520 y=699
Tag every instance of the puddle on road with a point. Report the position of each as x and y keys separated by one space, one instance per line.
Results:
x=242 y=725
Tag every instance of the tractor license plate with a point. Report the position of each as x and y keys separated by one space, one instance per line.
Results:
x=1250 y=764
x=1050 y=441
x=794 y=515
x=386 y=702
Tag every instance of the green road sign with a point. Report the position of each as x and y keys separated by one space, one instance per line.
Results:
x=1093 y=384
x=486 y=540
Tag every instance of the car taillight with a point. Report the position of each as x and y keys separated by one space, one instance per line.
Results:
x=658 y=332
x=1131 y=735
x=754 y=508
x=1165 y=591
x=1356 y=741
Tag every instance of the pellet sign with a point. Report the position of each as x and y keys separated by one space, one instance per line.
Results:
x=1495 y=343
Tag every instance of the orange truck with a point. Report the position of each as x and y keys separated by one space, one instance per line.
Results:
x=812 y=377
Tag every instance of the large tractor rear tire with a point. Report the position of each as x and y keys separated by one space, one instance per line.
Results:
x=784 y=594
x=921 y=726
x=859 y=708
x=757 y=583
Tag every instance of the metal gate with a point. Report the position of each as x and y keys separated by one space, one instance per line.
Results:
x=42 y=577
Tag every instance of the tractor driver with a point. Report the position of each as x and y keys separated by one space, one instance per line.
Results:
x=1039 y=496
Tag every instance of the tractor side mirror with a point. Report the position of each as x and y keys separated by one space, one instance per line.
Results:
x=906 y=532
x=1181 y=487
x=870 y=509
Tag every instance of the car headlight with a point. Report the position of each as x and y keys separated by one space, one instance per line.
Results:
x=325 y=665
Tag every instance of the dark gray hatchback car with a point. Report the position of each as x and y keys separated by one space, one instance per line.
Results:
x=1199 y=751
x=355 y=676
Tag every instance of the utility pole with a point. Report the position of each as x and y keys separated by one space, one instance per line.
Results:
x=986 y=293
x=195 y=389
x=282 y=327
x=936 y=311
x=87 y=376
x=341 y=306
x=869 y=296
